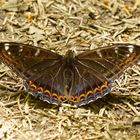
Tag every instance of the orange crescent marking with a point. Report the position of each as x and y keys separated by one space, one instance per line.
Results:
x=90 y=92
x=96 y=89
x=63 y=98
x=55 y=95
x=32 y=85
x=40 y=89
x=104 y=85
x=47 y=92
x=74 y=98
x=83 y=95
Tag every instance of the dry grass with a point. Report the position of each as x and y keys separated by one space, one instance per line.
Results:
x=59 y=25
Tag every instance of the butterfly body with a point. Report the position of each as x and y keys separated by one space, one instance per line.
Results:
x=73 y=79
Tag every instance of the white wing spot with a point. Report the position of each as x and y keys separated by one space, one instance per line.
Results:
x=127 y=55
x=138 y=63
x=99 y=53
x=6 y=46
x=21 y=48
x=130 y=48
x=37 y=52
x=116 y=50
x=9 y=53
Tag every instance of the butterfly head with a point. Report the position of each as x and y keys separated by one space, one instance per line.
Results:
x=70 y=54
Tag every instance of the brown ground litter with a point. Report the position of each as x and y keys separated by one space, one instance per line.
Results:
x=59 y=25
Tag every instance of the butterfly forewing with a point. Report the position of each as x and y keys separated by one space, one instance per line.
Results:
x=110 y=61
x=24 y=58
x=75 y=80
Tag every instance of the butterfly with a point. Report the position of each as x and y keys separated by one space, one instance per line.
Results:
x=72 y=79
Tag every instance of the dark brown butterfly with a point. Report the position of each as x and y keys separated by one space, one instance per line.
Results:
x=73 y=79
